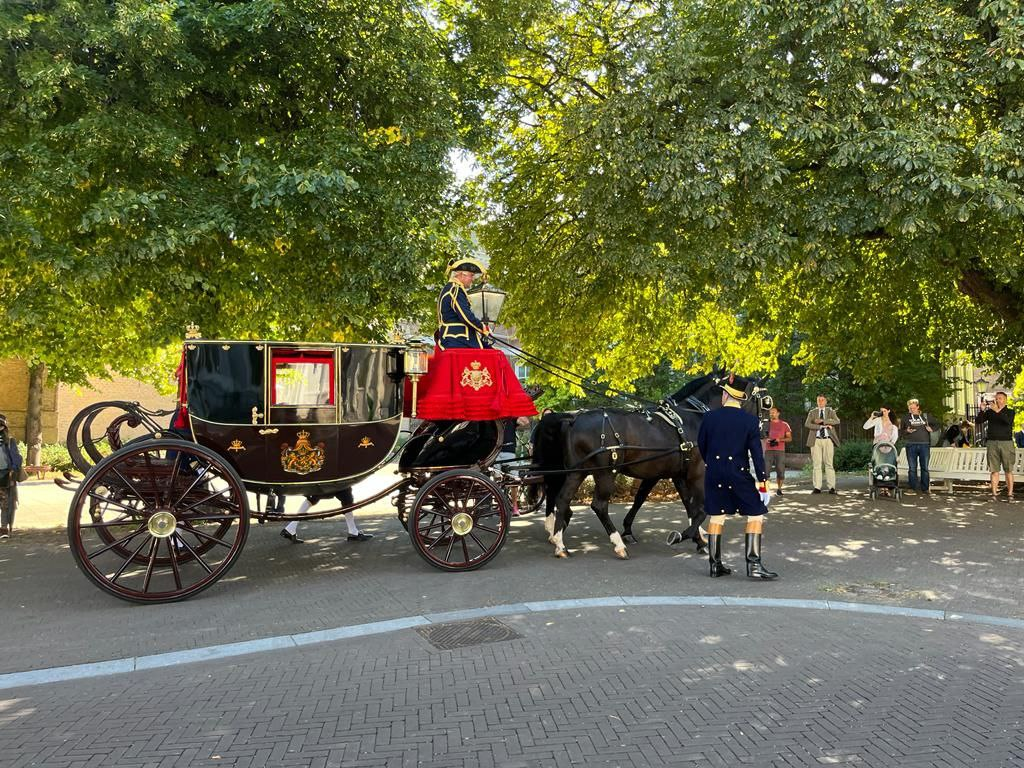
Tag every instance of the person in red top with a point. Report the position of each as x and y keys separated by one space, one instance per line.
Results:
x=779 y=433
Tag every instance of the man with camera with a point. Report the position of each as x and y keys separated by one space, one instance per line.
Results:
x=916 y=428
x=999 y=446
x=779 y=433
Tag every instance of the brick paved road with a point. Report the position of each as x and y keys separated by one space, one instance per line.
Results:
x=623 y=687
x=960 y=554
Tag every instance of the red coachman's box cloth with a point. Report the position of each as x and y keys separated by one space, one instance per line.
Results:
x=469 y=385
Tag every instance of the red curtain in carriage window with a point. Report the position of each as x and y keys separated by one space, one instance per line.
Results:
x=296 y=357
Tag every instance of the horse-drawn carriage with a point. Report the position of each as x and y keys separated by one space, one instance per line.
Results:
x=166 y=514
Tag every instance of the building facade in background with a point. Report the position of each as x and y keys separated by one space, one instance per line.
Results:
x=62 y=402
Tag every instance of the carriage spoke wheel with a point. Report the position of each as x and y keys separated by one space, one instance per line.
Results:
x=158 y=521
x=459 y=520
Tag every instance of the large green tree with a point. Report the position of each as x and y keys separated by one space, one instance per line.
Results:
x=684 y=180
x=274 y=167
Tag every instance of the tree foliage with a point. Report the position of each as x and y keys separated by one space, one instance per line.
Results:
x=265 y=168
x=691 y=181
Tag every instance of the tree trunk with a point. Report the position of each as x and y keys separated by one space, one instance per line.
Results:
x=34 y=417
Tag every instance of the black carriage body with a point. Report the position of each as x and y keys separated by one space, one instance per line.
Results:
x=301 y=418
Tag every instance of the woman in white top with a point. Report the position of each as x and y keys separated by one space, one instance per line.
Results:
x=885 y=430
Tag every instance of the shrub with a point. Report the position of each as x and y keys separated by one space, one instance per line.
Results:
x=56 y=455
x=852 y=456
x=624 y=489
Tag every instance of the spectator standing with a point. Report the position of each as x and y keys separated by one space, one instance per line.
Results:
x=10 y=473
x=885 y=432
x=916 y=428
x=999 y=446
x=821 y=423
x=885 y=429
x=779 y=433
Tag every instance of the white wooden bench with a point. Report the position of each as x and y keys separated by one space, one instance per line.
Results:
x=950 y=465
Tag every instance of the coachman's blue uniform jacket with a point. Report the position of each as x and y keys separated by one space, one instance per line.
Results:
x=727 y=437
x=457 y=326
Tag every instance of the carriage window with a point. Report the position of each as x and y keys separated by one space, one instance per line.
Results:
x=302 y=378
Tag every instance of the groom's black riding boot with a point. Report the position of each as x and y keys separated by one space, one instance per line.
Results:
x=755 y=568
x=715 y=556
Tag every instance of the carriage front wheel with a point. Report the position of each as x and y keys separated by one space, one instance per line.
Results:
x=158 y=521
x=459 y=520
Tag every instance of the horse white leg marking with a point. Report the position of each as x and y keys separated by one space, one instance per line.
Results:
x=549 y=526
x=560 y=550
x=620 y=547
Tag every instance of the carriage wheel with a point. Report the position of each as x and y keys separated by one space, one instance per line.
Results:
x=158 y=521
x=459 y=520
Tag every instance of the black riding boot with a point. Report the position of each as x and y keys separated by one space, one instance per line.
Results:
x=755 y=568
x=718 y=568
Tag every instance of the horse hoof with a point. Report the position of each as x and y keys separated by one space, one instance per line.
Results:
x=622 y=554
x=673 y=538
x=629 y=538
x=561 y=553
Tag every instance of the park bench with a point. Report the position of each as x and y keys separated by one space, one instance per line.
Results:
x=965 y=465
x=37 y=469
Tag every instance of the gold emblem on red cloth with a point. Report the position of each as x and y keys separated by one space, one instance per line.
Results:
x=236 y=445
x=304 y=458
x=365 y=443
x=475 y=377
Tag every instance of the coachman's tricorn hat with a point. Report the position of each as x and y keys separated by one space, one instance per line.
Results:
x=736 y=387
x=466 y=264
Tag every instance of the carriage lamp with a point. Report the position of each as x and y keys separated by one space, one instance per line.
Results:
x=415 y=366
x=486 y=302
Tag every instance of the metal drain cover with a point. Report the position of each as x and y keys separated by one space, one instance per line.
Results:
x=462 y=634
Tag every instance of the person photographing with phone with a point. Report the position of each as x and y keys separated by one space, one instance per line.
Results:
x=885 y=429
x=999 y=447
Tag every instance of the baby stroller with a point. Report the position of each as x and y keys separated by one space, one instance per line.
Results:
x=883 y=475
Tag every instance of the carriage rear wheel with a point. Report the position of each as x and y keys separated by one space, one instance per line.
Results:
x=158 y=521
x=459 y=520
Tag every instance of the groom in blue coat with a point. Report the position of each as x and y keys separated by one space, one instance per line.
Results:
x=729 y=439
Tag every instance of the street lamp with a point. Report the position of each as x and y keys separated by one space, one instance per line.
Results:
x=486 y=302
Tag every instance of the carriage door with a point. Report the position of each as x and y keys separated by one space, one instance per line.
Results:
x=303 y=415
x=226 y=402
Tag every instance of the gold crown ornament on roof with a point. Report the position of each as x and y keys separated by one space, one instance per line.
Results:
x=192 y=331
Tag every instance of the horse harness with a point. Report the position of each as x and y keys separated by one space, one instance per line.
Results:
x=667 y=412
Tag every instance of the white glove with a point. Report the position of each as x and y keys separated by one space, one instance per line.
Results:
x=766 y=497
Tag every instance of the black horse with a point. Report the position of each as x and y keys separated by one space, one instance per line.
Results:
x=652 y=444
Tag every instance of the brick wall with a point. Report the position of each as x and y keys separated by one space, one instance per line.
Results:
x=72 y=399
x=62 y=403
x=14 y=400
